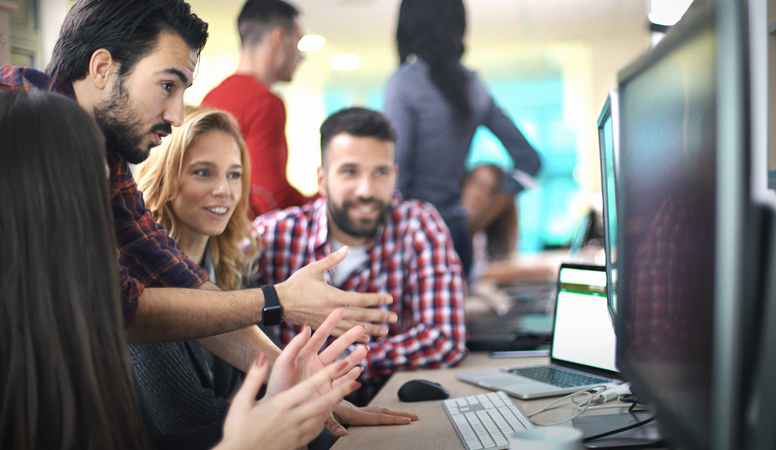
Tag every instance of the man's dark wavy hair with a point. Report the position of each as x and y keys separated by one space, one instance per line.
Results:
x=128 y=29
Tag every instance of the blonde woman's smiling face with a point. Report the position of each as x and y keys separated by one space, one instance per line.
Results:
x=210 y=186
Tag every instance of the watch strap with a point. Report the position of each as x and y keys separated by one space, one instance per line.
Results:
x=272 y=313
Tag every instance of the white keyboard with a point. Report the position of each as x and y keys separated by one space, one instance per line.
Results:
x=485 y=421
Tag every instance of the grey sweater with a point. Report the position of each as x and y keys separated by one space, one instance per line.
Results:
x=184 y=387
x=432 y=146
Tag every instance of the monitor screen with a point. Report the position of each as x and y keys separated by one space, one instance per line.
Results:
x=583 y=328
x=608 y=141
x=667 y=229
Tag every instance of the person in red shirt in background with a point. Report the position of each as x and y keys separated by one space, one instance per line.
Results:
x=269 y=32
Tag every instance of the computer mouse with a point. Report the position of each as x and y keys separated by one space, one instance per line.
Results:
x=422 y=390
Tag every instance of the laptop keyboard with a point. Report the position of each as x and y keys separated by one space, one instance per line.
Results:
x=485 y=421
x=557 y=376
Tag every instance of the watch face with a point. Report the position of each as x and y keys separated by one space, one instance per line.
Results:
x=272 y=315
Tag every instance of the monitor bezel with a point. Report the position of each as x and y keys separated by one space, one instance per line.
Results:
x=609 y=110
x=733 y=220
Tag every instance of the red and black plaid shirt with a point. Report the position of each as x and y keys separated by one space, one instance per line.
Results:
x=147 y=255
x=411 y=257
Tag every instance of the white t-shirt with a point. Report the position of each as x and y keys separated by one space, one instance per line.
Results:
x=356 y=257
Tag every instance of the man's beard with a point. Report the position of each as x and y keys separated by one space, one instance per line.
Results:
x=122 y=128
x=340 y=217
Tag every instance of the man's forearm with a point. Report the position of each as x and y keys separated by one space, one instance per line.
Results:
x=240 y=347
x=170 y=314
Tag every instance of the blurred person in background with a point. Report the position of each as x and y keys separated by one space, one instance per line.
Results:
x=436 y=105
x=269 y=33
x=493 y=226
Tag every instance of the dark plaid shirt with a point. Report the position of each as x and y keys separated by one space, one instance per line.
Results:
x=147 y=255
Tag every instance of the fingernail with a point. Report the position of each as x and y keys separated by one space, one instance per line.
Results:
x=260 y=359
x=343 y=250
x=340 y=431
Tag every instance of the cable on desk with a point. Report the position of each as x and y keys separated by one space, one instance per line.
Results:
x=583 y=404
x=634 y=403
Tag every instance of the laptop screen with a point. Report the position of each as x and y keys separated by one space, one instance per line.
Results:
x=583 y=332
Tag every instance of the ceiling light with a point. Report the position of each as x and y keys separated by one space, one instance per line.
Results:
x=668 y=12
x=310 y=43
x=345 y=61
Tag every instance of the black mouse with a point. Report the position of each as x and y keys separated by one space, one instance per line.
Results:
x=422 y=390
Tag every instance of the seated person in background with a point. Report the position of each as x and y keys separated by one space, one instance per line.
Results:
x=493 y=227
x=398 y=247
x=196 y=186
x=64 y=371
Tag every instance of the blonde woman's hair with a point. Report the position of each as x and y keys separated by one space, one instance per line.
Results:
x=155 y=179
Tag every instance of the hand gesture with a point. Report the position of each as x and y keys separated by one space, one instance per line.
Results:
x=347 y=413
x=307 y=298
x=289 y=419
x=300 y=359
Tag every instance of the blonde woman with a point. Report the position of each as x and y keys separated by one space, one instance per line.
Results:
x=194 y=186
x=202 y=164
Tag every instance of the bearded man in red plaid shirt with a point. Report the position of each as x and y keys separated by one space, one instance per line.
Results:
x=398 y=247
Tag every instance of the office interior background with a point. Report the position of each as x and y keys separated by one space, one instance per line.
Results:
x=548 y=63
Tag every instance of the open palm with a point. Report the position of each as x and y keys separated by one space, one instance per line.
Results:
x=301 y=359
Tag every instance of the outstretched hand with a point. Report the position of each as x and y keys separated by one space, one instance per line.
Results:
x=307 y=298
x=289 y=419
x=349 y=414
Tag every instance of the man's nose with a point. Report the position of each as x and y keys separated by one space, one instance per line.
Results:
x=173 y=113
x=365 y=187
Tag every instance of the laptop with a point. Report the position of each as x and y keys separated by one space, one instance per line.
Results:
x=583 y=343
x=518 y=319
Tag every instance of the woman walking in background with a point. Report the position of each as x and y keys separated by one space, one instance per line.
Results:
x=436 y=105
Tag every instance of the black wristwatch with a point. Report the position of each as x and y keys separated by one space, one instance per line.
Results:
x=272 y=314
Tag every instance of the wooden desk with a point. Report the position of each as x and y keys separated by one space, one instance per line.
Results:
x=433 y=430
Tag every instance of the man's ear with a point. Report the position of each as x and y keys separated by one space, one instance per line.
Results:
x=101 y=66
x=276 y=37
x=321 y=181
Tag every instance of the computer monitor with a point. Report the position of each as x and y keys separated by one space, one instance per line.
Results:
x=608 y=143
x=686 y=276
